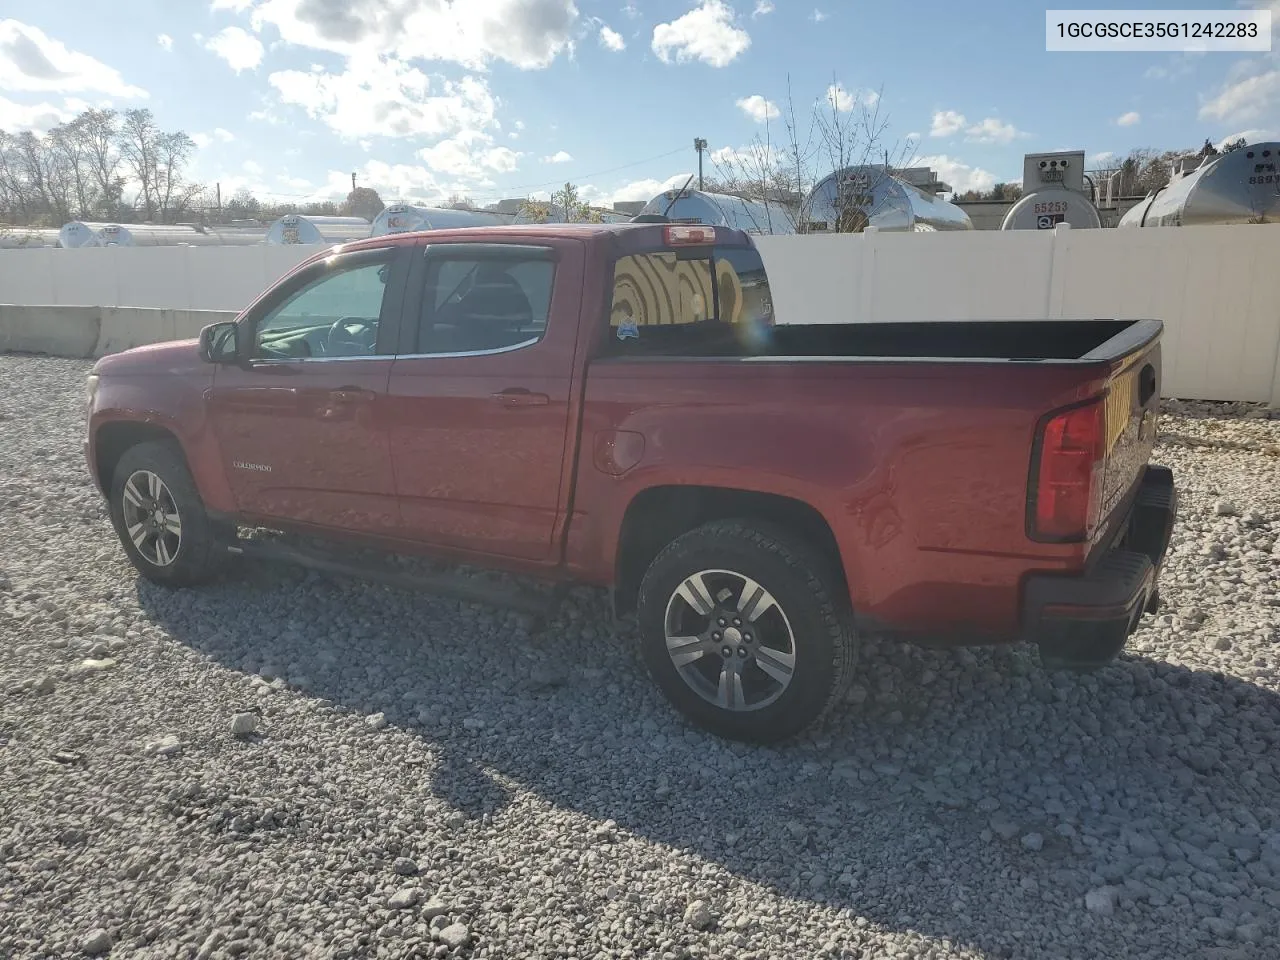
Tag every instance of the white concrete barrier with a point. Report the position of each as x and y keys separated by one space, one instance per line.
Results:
x=126 y=327
x=85 y=332
x=57 y=331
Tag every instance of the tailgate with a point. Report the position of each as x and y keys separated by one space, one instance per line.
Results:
x=1131 y=409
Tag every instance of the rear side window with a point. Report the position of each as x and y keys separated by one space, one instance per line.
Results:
x=484 y=304
x=694 y=303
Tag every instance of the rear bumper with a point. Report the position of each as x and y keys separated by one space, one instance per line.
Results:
x=1083 y=622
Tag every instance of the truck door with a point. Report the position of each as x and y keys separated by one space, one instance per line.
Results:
x=301 y=420
x=479 y=403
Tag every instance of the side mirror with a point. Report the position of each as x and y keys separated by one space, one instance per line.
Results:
x=218 y=342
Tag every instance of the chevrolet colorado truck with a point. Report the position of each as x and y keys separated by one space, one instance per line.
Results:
x=614 y=405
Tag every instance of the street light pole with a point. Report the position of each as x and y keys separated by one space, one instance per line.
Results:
x=699 y=144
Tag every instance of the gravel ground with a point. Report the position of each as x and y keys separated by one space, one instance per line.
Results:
x=415 y=777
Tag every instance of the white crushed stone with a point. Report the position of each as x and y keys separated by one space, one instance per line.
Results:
x=582 y=817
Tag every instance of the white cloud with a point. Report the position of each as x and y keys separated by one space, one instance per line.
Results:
x=529 y=34
x=235 y=6
x=253 y=167
x=631 y=10
x=32 y=61
x=708 y=33
x=762 y=7
x=38 y=117
x=992 y=130
x=611 y=39
x=946 y=123
x=398 y=182
x=748 y=161
x=1101 y=160
x=914 y=135
x=560 y=156
x=1249 y=136
x=840 y=98
x=758 y=108
x=381 y=96
x=817 y=16
x=644 y=189
x=201 y=140
x=165 y=41
x=1129 y=119
x=468 y=154
x=960 y=176
x=226 y=136
x=241 y=49
x=1246 y=100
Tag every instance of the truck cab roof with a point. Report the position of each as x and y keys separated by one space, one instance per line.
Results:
x=631 y=236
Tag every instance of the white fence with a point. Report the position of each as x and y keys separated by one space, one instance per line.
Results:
x=1216 y=288
x=185 y=278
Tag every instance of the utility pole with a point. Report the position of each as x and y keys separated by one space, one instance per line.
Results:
x=699 y=144
x=219 y=202
x=353 y=181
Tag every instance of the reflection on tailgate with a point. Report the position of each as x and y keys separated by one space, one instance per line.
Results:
x=1131 y=410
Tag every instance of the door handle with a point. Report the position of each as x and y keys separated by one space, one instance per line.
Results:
x=520 y=397
x=351 y=395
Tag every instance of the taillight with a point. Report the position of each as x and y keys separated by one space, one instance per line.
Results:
x=1067 y=489
x=683 y=234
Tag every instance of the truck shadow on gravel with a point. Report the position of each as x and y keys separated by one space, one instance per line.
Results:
x=965 y=795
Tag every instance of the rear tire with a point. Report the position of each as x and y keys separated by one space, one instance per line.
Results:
x=160 y=519
x=740 y=630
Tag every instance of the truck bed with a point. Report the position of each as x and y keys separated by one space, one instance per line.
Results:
x=1021 y=340
x=1039 y=341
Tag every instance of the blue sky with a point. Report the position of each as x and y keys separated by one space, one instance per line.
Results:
x=500 y=98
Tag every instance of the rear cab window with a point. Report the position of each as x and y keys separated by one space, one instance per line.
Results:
x=710 y=301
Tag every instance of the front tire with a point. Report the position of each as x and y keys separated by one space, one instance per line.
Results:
x=160 y=518
x=740 y=630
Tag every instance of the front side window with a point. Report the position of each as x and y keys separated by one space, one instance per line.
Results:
x=482 y=304
x=334 y=315
x=693 y=303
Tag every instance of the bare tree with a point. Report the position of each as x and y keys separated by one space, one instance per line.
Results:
x=98 y=131
x=842 y=134
x=137 y=142
x=157 y=160
x=174 y=194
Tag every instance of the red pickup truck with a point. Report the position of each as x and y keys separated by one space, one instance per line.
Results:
x=614 y=405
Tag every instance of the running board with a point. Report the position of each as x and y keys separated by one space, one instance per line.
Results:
x=456 y=586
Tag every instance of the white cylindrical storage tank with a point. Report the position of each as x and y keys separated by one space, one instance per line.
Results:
x=114 y=235
x=300 y=228
x=852 y=199
x=1047 y=207
x=407 y=218
x=78 y=234
x=1237 y=187
x=234 y=235
x=721 y=210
